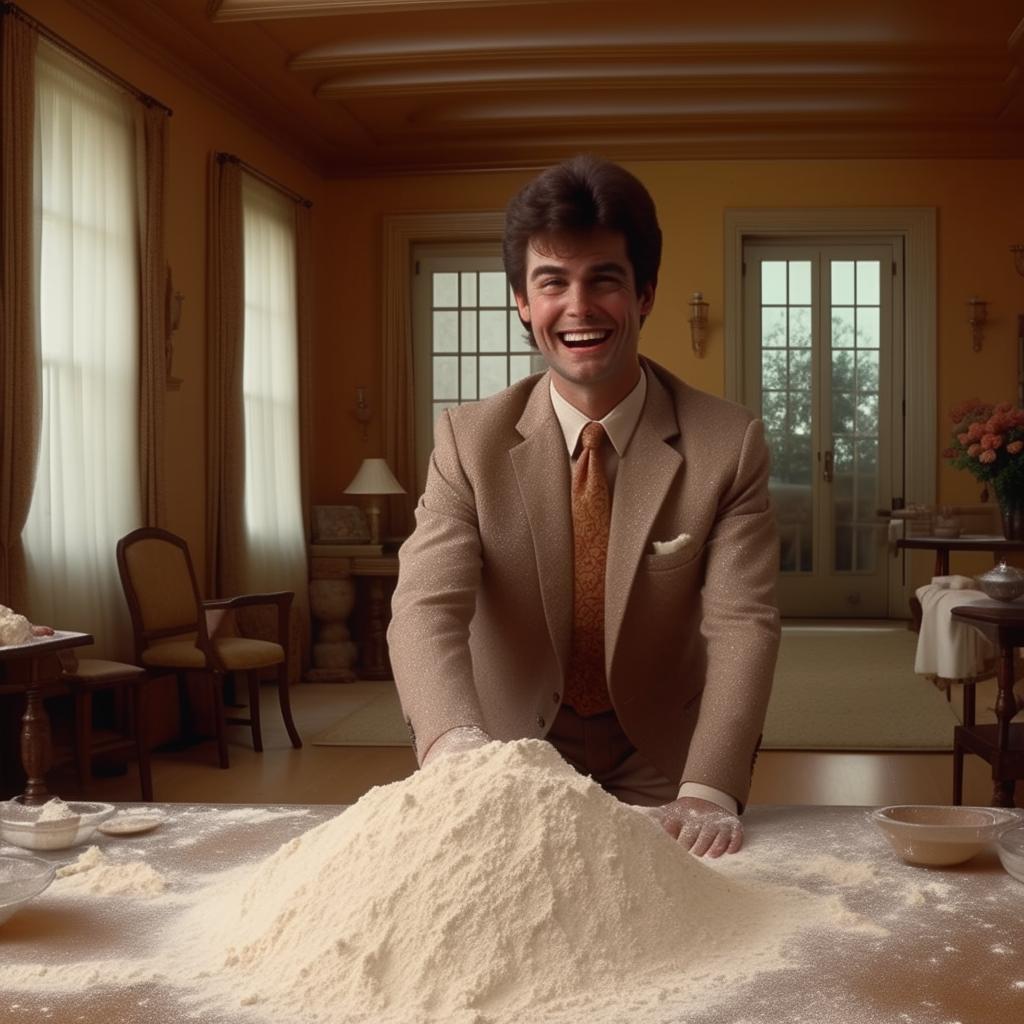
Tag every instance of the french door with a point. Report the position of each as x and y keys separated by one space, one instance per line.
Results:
x=823 y=359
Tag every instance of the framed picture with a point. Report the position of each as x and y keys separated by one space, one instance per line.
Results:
x=340 y=524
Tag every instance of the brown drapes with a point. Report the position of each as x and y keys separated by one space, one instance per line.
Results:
x=151 y=176
x=20 y=403
x=225 y=332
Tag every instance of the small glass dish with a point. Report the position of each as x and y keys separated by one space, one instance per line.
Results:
x=1010 y=848
x=22 y=879
x=939 y=836
x=20 y=825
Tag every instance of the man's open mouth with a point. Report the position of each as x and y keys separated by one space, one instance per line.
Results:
x=583 y=339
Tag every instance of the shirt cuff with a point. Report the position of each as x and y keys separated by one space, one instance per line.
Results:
x=716 y=796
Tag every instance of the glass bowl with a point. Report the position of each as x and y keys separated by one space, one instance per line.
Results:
x=19 y=825
x=1010 y=848
x=939 y=836
x=22 y=879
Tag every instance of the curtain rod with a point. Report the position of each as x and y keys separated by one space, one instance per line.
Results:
x=61 y=43
x=265 y=178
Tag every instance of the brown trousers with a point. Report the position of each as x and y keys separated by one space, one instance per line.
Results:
x=597 y=746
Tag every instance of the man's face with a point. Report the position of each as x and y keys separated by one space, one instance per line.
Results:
x=583 y=308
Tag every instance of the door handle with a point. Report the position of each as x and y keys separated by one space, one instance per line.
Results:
x=827 y=471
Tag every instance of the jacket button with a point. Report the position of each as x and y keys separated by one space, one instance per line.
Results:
x=540 y=721
x=556 y=696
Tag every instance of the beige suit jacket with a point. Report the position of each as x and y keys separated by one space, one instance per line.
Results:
x=482 y=613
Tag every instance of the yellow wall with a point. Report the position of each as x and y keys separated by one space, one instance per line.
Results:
x=980 y=214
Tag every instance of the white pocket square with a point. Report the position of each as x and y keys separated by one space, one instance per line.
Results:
x=668 y=547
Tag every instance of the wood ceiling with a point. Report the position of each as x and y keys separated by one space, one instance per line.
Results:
x=356 y=87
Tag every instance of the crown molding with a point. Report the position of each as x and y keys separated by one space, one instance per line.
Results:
x=270 y=10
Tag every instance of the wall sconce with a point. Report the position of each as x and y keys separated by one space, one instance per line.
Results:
x=1018 y=258
x=977 y=314
x=698 y=323
x=362 y=411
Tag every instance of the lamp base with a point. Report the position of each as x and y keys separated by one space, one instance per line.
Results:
x=373 y=514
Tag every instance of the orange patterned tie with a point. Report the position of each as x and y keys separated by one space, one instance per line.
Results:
x=586 y=689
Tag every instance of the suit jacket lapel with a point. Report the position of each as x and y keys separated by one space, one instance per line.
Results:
x=541 y=466
x=641 y=484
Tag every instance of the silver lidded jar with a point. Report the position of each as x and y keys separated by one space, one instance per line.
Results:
x=1002 y=582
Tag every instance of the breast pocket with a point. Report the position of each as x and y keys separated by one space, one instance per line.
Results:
x=666 y=563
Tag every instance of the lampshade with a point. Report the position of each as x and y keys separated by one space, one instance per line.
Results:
x=374 y=477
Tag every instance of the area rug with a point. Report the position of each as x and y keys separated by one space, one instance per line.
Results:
x=369 y=715
x=853 y=687
x=836 y=688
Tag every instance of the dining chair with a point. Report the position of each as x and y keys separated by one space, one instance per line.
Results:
x=177 y=631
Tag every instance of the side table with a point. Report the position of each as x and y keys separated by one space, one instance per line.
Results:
x=1002 y=744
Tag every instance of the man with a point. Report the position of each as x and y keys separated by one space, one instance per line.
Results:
x=606 y=587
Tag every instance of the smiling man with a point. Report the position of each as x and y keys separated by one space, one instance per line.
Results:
x=594 y=557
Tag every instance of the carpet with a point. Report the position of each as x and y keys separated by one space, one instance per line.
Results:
x=853 y=687
x=369 y=716
x=836 y=688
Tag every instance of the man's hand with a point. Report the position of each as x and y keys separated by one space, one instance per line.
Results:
x=455 y=741
x=703 y=827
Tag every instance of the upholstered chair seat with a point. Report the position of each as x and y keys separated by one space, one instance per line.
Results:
x=177 y=631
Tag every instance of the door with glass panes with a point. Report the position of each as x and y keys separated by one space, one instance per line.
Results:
x=468 y=340
x=819 y=363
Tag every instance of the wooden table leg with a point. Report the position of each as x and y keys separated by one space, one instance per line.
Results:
x=35 y=741
x=1006 y=708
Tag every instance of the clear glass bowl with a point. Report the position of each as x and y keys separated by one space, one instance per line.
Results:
x=1010 y=848
x=938 y=835
x=19 y=825
x=22 y=879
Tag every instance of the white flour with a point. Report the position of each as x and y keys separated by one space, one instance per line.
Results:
x=94 y=872
x=55 y=810
x=497 y=885
x=14 y=628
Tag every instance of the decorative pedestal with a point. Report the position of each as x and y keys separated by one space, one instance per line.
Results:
x=334 y=653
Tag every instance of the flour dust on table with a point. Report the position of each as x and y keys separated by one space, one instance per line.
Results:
x=499 y=886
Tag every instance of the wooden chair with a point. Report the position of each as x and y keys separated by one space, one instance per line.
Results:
x=84 y=677
x=177 y=632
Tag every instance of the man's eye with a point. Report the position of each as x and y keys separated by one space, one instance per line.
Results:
x=552 y=282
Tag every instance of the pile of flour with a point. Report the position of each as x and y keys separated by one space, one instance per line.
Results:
x=94 y=872
x=494 y=886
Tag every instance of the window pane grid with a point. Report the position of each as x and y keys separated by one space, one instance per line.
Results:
x=477 y=347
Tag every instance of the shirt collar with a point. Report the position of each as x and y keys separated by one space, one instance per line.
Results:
x=619 y=424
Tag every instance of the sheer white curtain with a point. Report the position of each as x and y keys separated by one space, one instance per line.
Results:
x=87 y=482
x=274 y=530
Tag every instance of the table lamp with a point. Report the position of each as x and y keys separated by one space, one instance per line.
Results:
x=374 y=478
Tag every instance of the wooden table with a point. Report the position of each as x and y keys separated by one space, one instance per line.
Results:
x=1002 y=744
x=35 y=723
x=942 y=546
x=953 y=951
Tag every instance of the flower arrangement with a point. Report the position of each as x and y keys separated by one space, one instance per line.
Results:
x=988 y=441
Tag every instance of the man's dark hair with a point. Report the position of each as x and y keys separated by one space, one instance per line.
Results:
x=576 y=197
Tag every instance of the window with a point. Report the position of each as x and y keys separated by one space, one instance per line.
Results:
x=468 y=338
x=87 y=482
x=275 y=535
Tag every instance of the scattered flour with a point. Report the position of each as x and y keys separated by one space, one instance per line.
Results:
x=94 y=872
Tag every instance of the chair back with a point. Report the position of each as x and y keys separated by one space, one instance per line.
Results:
x=159 y=585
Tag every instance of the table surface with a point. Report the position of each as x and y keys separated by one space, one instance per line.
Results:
x=968 y=542
x=40 y=645
x=954 y=949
